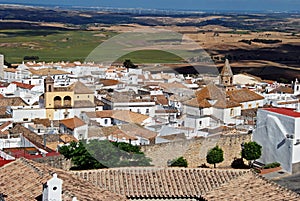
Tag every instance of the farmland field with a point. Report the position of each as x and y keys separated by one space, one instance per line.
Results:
x=50 y=45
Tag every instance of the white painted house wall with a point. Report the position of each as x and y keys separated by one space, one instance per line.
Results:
x=28 y=114
x=227 y=115
x=271 y=132
x=252 y=104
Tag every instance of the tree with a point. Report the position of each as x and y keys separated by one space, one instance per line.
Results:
x=179 y=162
x=79 y=155
x=129 y=64
x=215 y=155
x=251 y=151
x=102 y=154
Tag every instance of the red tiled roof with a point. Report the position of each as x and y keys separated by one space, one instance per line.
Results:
x=284 y=111
x=72 y=123
x=23 y=85
x=4 y=162
x=25 y=153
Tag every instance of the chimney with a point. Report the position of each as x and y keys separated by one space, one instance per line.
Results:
x=52 y=189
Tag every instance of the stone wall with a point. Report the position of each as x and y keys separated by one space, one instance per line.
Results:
x=194 y=151
x=55 y=161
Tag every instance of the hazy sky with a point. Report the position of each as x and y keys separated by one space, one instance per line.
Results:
x=276 y=5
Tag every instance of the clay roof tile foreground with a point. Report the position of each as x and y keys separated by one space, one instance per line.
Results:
x=187 y=183
x=23 y=180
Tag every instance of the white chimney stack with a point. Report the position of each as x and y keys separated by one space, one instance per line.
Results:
x=52 y=189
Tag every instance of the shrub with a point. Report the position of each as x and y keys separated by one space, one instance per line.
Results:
x=179 y=162
x=271 y=165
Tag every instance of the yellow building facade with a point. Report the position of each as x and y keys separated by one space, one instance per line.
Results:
x=64 y=99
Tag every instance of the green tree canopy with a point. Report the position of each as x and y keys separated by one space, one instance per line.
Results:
x=215 y=155
x=102 y=154
x=179 y=162
x=129 y=64
x=251 y=151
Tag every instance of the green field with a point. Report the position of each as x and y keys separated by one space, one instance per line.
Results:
x=73 y=45
x=50 y=45
x=151 y=56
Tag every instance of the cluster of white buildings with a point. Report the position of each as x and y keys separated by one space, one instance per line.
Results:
x=92 y=101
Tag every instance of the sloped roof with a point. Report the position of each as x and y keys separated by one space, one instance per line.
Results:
x=12 y=101
x=108 y=82
x=221 y=103
x=46 y=122
x=48 y=71
x=116 y=132
x=208 y=184
x=169 y=87
x=244 y=95
x=34 y=138
x=251 y=187
x=83 y=103
x=79 y=88
x=137 y=131
x=195 y=103
x=211 y=92
x=72 y=123
x=23 y=85
x=226 y=70
x=98 y=102
x=282 y=89
x=23 y=180
x=122 y=115
x=284 y=111
x=159 y=99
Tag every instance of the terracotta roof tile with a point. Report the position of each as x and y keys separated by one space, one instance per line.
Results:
x=34 y=138
x=160 y=99
x=195 y=103
x=160 y=182
x=72 y=123
x=122 y=115
x=226 y=103
x=83 y=103
x=251 y=187
x=244 y=95
x=137 y=131
x=79 y=88
x=12 y=101
x=172 y=183
x=211 y=92
x=45 y=122
x=48 y=71
x=107 y=82
x=282 y=89
x=98 y=102
x=23 y=85
x=23 y=180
